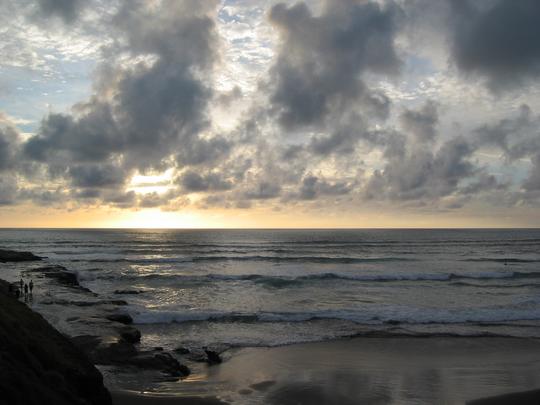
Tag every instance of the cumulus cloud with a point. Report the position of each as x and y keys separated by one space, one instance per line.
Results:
x=67 y=10
x=9 y=145
x=144 y=114
x=194 y=182
x=497 y=39
x=419 y=174
x=8 y=189
x=313 y=187
x=422 y=124
x=322 y=57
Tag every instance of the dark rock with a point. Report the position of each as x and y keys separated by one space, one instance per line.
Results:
x=130 y=334
x=182 y=350
x=164 y=362
x=392 y=322
x=126 y=319
x=60 y=274
x=212 y=357
x=83 y=303
x=38 y=365
x=13 y=256
x=128 y=292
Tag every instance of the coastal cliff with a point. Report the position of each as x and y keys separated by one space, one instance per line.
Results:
x=38 y=365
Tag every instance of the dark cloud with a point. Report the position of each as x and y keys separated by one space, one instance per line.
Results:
x=342 y=139
x=422 y=123
x=499 y=39
x=67 y=10
x=144 y=115
x=517 y=136
x=420 y=174
x=313 y=187
x=321 y=59
x=263 y=190
x=194 y=182
x=9 y=140
x=532 y=183
x=8 y=189
x=201 y=151
x=101 y=176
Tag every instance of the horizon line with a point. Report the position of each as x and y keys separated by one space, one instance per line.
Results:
x=271 y=228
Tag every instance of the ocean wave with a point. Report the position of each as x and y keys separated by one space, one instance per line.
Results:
x=255 y=258
x=501 y=260
x=379 y=316
x=286 y=281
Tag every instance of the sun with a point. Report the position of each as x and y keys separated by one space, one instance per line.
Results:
x=155 y=218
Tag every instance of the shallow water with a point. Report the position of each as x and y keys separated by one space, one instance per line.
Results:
x=404 y=371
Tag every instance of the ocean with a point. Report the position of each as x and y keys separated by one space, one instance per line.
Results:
x=238 y=288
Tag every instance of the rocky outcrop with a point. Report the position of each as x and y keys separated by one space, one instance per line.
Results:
x=13 y=256
x=62 y=276
x=126 y=319
x=124 y=353
x=38 y=365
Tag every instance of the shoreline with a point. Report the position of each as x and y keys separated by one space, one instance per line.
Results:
x=404 y=370
x=373 y=367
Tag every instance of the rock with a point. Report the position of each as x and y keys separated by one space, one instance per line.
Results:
x=38 y=365
x=126 y=319
x=61 y=275
x=14 y=256
x=164 y=362
x=130 y=334
x=212 y=357
x=182 y=350
x=392 y=322
x=83 y=303
x=128 y=292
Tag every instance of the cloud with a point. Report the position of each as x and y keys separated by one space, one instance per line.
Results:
x=150 y=102
x=101 y=176
x=319 y=65
x=67 y=10
x=532 y=183
x=498 y=39
x=8 y=189
x=9 y=145
x=422 y=123
x=419 y=174
x=264 y=190
x=313 y=187
x=194 y=182
x=517 y=136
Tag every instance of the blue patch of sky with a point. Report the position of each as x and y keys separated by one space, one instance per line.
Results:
x=29 y=94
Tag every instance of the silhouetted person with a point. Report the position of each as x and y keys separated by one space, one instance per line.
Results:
x=31 y=286
x=25 y=290
x=21 y=284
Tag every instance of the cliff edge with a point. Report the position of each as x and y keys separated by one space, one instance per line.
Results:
x=38 y=365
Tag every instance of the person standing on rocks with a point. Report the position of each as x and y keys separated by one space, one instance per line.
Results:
x=31 y=285
x=22 y=284
x=26 y=290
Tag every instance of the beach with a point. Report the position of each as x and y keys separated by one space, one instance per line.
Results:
x=436 y=370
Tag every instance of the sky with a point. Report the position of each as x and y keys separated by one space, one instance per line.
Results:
x=263 y=114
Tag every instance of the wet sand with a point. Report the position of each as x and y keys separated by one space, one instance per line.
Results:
x=400 y=370
x=133 y=398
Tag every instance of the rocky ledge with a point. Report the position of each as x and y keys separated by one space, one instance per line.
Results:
x=13 y=256
x=38 y=365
